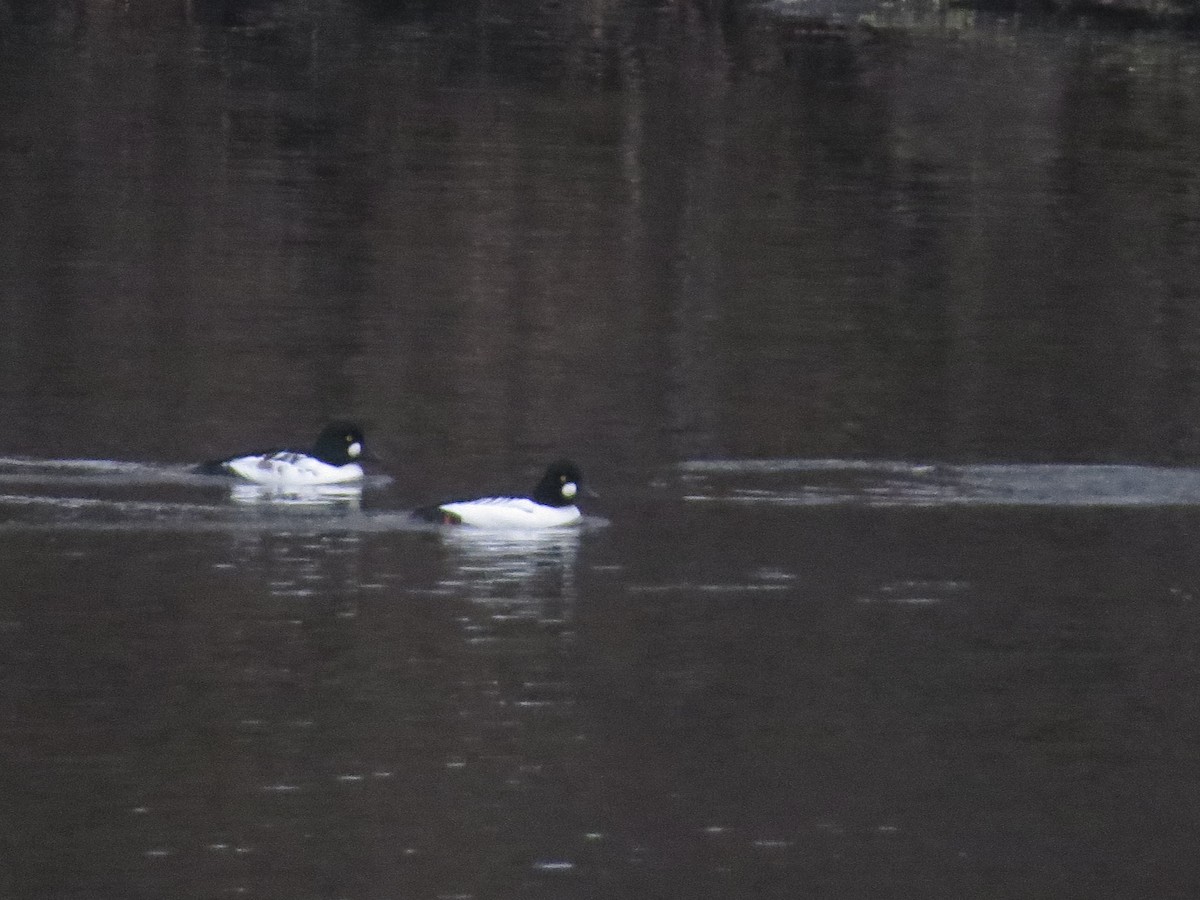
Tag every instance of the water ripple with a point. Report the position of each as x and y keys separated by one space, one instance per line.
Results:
x=817 y=482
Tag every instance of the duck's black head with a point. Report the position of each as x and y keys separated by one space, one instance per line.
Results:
x=560 y=486
x=340 y=443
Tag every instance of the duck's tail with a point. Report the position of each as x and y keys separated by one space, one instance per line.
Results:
x=212 y=467
x=436 y=515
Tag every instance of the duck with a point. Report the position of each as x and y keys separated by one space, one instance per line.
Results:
x=334 y=459
x=551 y=504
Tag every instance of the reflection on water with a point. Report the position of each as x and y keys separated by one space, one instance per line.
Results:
x=509 y=561
x=515 y=594
x=346 y=496
x=915 y=591
x=512 y=578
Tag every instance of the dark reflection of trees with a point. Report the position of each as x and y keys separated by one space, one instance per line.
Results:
x=1125 y=214
x=651 y=230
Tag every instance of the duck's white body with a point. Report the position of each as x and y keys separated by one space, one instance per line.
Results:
x=551 y=505
x=333 y=459
x=509 y=512
x=287 y=467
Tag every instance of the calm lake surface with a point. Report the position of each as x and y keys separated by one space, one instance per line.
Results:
x=882 y=352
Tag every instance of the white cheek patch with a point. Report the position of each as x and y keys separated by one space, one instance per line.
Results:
x=569 y=490
x=354 y=450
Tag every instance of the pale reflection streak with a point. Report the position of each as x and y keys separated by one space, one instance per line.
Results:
x=344 y=496
x=516 y=695
x=514 y=574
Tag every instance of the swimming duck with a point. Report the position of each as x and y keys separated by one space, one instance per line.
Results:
x=333 y=459
x=550 y=505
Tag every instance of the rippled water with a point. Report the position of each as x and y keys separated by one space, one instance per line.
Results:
x=881 y=351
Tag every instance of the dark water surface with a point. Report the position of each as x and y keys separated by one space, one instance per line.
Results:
x=883 y=353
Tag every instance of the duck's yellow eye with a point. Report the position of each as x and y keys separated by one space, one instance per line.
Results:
x=349 y=439
x=562 y=479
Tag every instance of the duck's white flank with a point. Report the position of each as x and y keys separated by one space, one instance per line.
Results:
x=292 y=468
x=510 y=512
